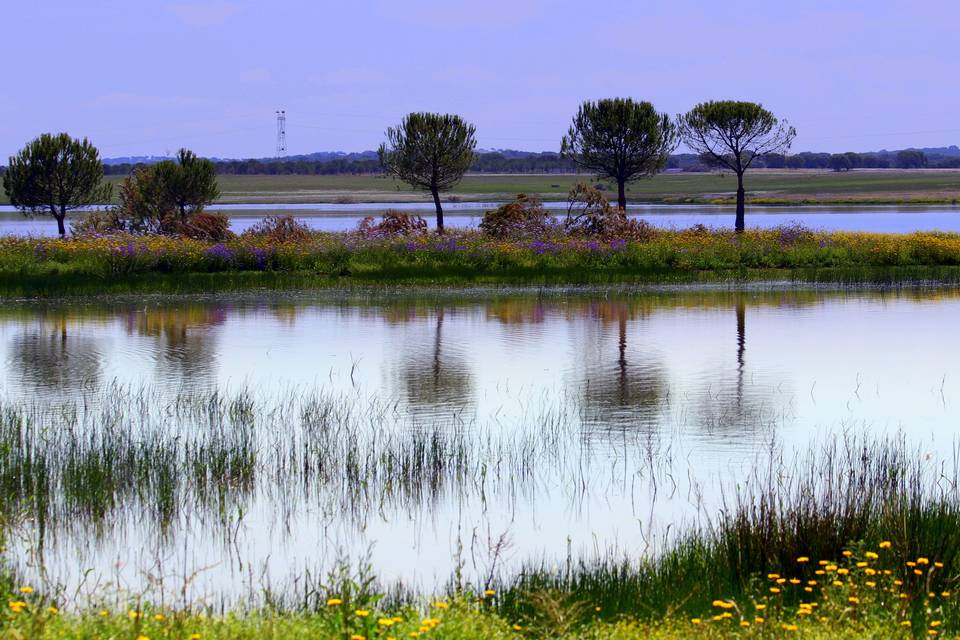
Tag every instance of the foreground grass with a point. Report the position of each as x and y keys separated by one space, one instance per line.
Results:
x=855 y=538
x=461 y=619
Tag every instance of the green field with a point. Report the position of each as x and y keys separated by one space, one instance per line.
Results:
x=763 y=186
x=893 y=186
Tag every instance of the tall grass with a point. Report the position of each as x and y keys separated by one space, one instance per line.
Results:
x=848 y=493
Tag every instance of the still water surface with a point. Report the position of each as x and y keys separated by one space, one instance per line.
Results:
x=341 y=217
x=635 y=408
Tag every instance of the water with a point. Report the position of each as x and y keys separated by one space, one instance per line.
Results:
x=341 y=217
x=585 y=419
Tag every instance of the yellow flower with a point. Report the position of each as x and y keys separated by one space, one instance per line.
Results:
x=871 y=555
x=134 y=615
x=774 y=590
x=517 y=627
x=104 y=613
x=194 y=636
x=363 y=613
x=53 y=611
x=789 y=627
x=803 y=559
x=905 y=623
x=861 y=565
x=843 y=572
x=781 y=580
x=26 y=589
x=143 y=637
x=847 y=554
x=870 y=583
x=158 y=617
x=761 y=607
x=758 y=620
x=837 y=583
x=441 y=605
x=696 y=621
x=357 y=637
x=386 y=622
x=489 y=592
x=923 y=561
x=936 y=623
x=938 y=565
x=334 y=602
x=853 y=600
x=773 y=576
x=794 y=581
x=945 y=594
x=744 y=623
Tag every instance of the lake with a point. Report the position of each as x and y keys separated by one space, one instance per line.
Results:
x=251 y=438
x=340 y=217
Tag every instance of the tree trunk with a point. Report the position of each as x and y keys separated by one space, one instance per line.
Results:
x=61 y=216
x=740 y=224
x=621 y=195
x=436 y=202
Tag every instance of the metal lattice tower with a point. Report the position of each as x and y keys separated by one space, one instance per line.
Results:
x=281 y=133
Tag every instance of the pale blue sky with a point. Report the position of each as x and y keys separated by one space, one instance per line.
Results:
x=146 y=77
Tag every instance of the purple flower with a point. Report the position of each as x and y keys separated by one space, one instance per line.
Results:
x=220 y=252
x=411 y=246
x=130 y=250
x=617 y=244
x=593 y=245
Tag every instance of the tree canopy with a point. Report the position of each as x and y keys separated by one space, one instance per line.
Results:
x=429 y=151
x=621 y=139
x=55 y=174
x=189 y=184
x=733 y=134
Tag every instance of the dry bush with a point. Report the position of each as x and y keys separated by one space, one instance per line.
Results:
x=523 y=217
x=278 y=228
x=393 y=223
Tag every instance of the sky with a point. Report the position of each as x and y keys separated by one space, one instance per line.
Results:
x=146 y=77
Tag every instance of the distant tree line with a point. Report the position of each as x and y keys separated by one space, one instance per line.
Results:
x=551 y=162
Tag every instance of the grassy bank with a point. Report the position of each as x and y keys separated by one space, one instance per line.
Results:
x=116 y=264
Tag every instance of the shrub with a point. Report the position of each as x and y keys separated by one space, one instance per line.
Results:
x=525 y=216
x=98 y=223
x=626 y=229
x=394 y=223
x=589 y=212
x=792 y=233
x=213 y=227
x=279 y=229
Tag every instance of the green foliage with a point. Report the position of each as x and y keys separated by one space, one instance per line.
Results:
x=429 y=151
x=621 y=139
x=734 y=133
x=190 y=183
x=166 y=198
x=54 y=175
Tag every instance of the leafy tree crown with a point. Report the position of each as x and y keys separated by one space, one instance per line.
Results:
x=620 y=138
x=734 y=133
x=56 y=173
x=429 y=150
